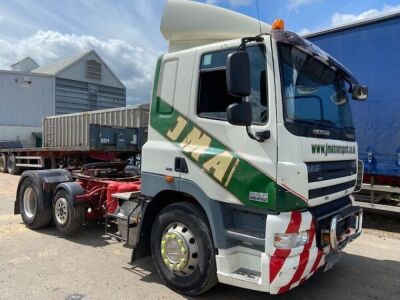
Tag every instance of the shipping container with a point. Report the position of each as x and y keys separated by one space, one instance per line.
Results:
x=73 y=130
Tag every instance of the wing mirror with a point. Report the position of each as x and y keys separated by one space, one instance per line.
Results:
x=238 y=74
x=239 y=114
x=359 y=92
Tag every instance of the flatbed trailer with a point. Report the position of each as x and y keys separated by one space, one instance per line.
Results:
x=15 y=159
x=72 y=140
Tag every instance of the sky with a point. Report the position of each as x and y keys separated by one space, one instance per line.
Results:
x=126 y=33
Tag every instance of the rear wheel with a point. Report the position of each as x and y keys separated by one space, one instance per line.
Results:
x=67 y=218
x=33 y=212
x=3 y=163
x=182 y=249
x=11 y=165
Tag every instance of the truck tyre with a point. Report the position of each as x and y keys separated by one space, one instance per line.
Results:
x=67 y=218
x=182 y=249
x=3 y=163
x=33 y=213
x=11 y=165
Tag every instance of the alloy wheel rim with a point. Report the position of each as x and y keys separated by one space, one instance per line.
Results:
x=179 y=249
x=61 y=211
x=29 y=202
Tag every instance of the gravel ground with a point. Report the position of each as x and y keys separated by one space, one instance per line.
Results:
x=42 y=265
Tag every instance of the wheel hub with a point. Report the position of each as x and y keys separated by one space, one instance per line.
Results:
x=61 y=211
x=179 y=249
x=29 y=202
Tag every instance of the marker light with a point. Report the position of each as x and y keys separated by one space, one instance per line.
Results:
x=169 y=179
x=290 y=240
x=278 y=24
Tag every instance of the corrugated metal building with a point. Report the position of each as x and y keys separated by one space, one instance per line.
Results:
x=29 y=93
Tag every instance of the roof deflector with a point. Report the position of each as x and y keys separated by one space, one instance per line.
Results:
x=187 y=24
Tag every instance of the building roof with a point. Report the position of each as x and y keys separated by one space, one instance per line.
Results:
x=358 y=23
x=26 y=59
x=60 y=65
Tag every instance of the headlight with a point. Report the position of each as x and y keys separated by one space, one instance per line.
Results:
x=290 y=240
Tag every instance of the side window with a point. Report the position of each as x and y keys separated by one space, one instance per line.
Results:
x=213 y=95
x=167 y=86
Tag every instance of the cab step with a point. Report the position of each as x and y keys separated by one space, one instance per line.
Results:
x=247 y=275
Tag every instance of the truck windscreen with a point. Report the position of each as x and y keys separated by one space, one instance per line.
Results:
x=314 y=94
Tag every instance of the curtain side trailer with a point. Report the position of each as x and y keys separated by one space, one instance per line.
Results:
x=370 y=49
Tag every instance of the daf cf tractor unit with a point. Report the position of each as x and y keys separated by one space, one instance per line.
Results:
x=249 y=168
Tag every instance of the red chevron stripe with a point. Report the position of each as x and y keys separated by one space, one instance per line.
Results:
x=295 y=221
x=317 y=261
x=300 y=270
x=279 y=257
x=311 y=234
x=304 y=257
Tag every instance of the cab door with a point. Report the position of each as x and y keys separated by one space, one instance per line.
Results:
x=160 y=151
x=223 y=160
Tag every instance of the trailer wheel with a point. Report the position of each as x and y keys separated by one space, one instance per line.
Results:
x=11 y=165
x=32 y=211
x=182 y=249
x=67 y=218
x=3 y=163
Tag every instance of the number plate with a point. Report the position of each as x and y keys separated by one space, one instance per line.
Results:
x=330 y=260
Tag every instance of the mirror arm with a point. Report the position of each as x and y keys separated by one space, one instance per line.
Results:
x=259 y=136
x=246 y=40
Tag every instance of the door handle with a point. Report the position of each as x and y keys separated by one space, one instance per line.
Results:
x=180 y=165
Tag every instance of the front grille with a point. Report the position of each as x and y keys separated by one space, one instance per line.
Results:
x=318 y=171
x=327 y=190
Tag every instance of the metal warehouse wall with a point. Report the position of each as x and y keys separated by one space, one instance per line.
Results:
x=75 y=96
x=25 y=99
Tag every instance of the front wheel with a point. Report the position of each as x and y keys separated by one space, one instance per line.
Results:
x=182 y=249
x=67 y=218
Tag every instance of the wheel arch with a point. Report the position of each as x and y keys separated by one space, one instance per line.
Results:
x=211 y=209
x=150 y=211
x=72 y=188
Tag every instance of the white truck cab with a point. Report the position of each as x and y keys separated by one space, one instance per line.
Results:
x=248 y=170
x=251 y=156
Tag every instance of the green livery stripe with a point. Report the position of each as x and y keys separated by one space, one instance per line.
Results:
x=226 y=167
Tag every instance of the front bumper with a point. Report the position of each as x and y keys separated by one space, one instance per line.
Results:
x=351 y=219
x=328 y=234
x=330 y=228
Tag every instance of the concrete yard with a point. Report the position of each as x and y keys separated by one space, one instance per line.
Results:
x=42 y=265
